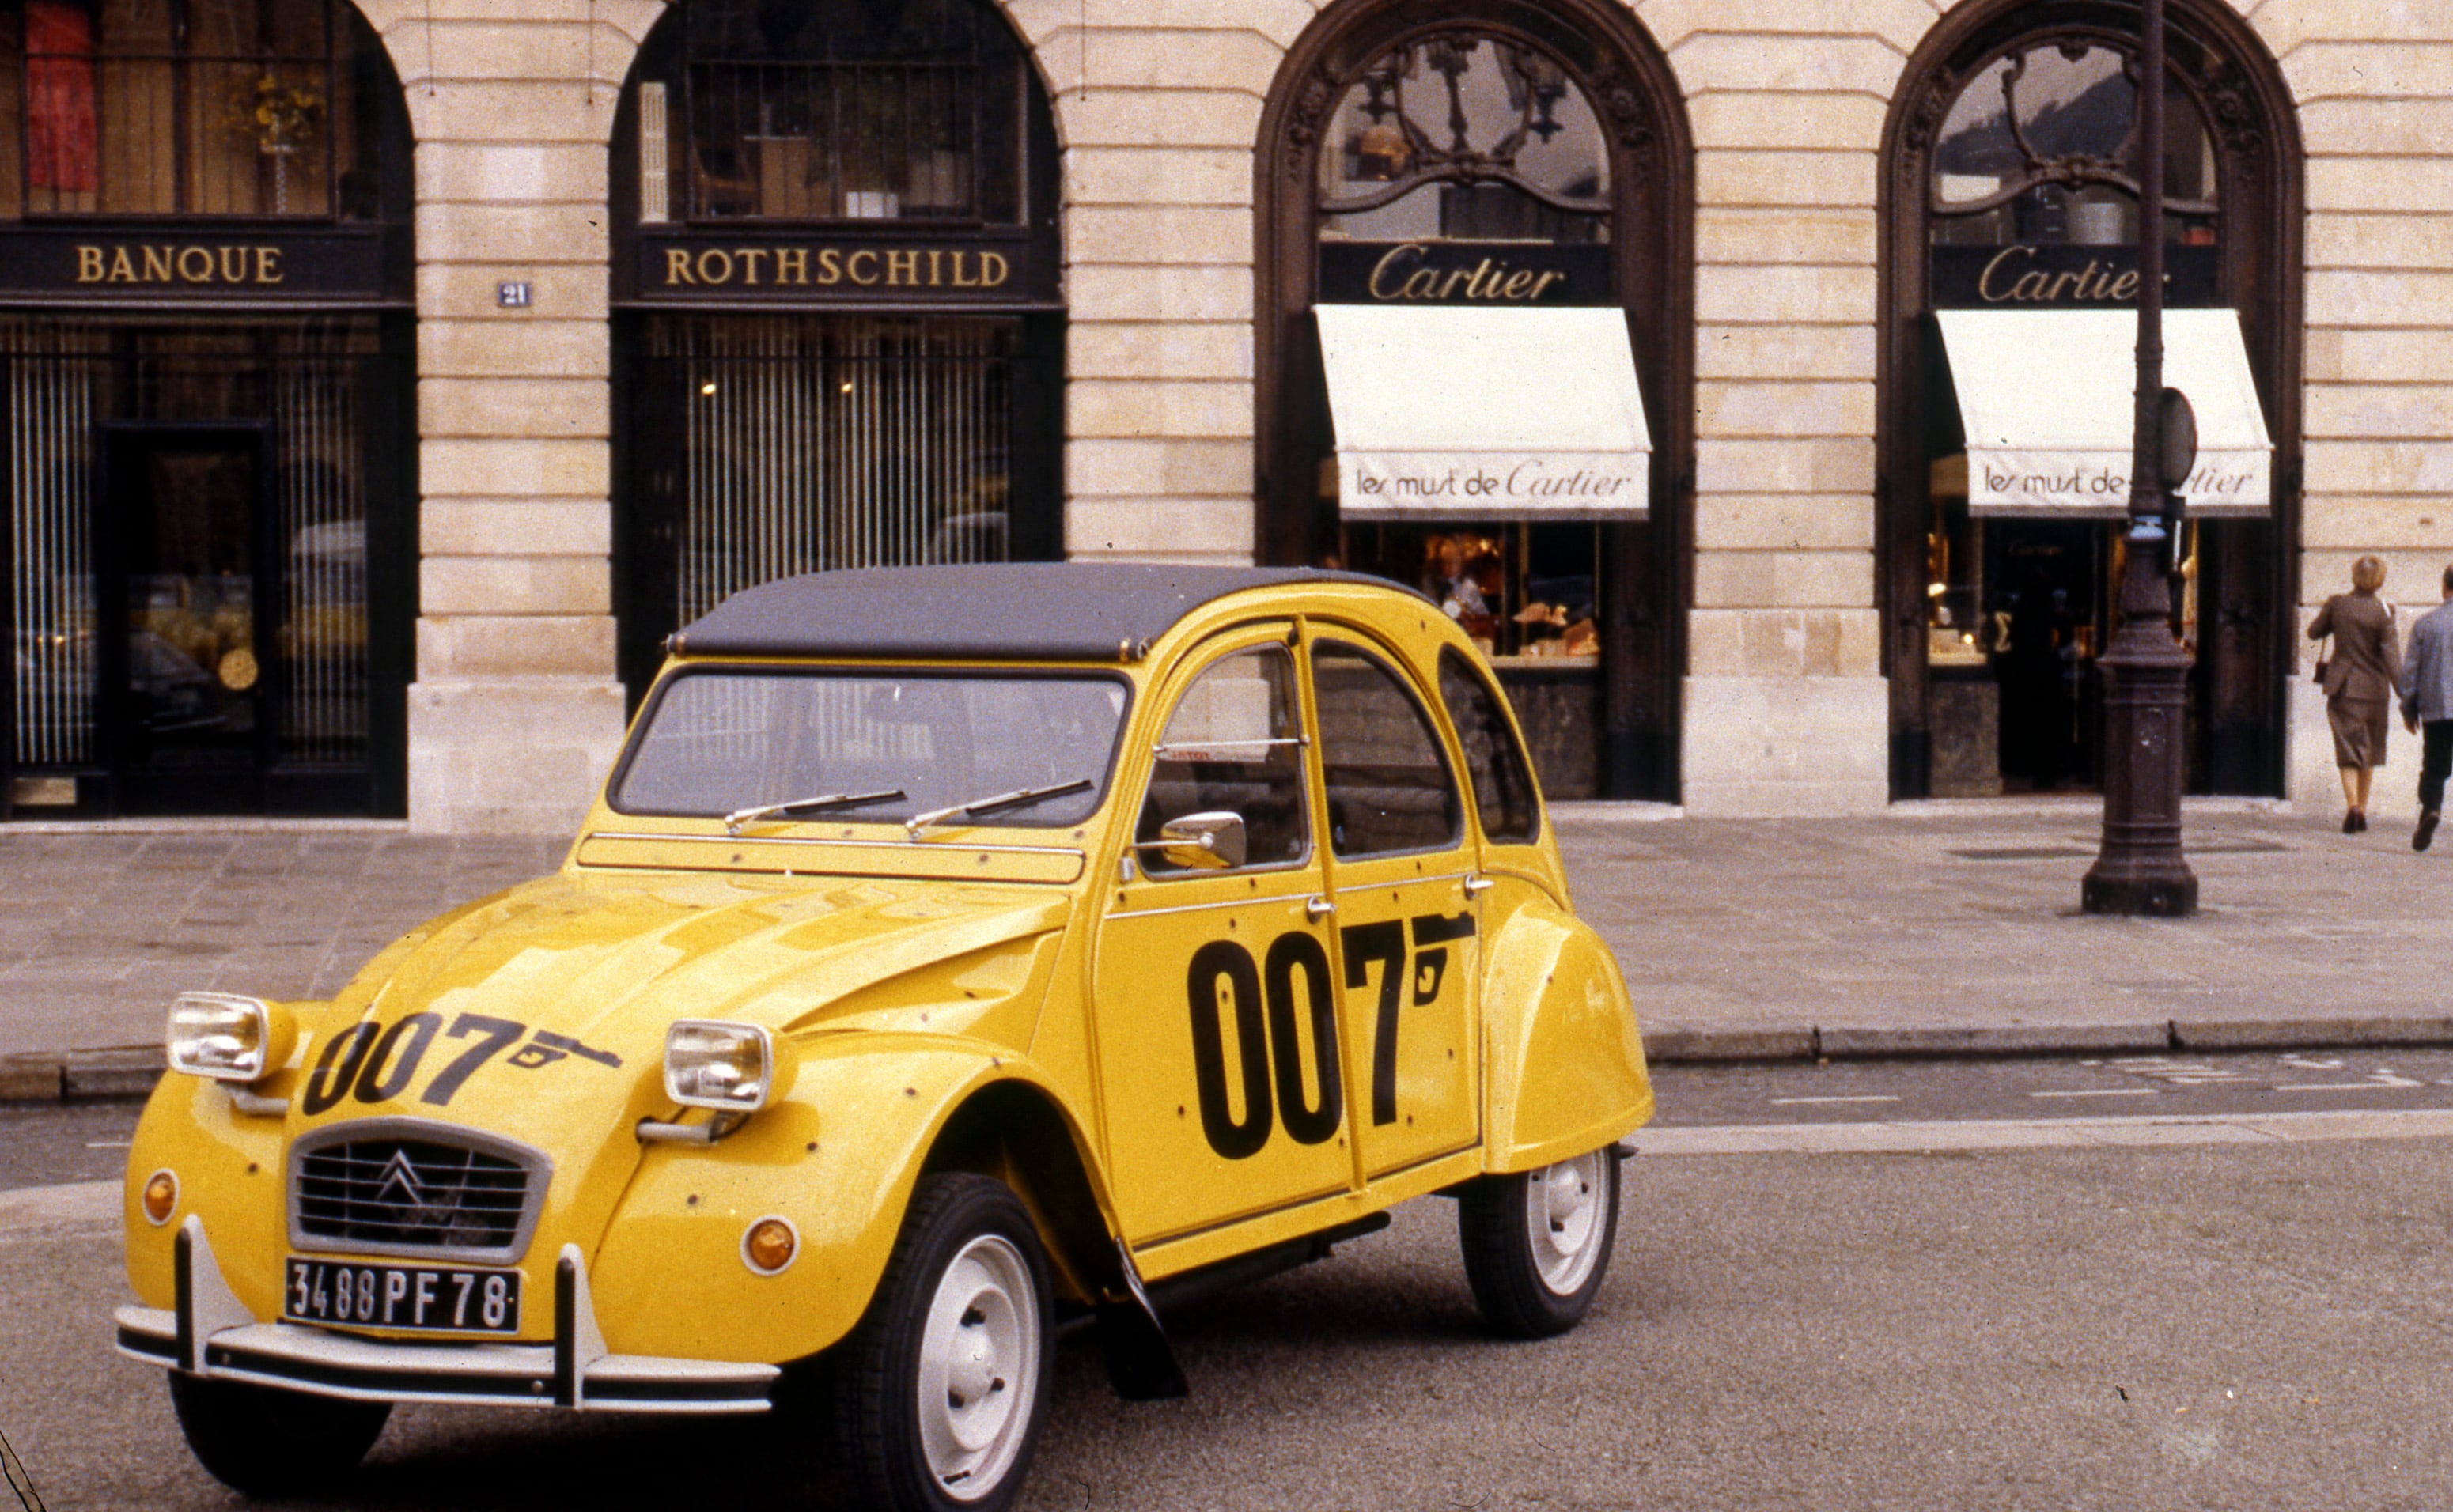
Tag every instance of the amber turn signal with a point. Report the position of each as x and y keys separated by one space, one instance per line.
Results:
x=768 y=1246
x=161 y=1197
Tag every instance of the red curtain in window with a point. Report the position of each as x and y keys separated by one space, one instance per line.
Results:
x=59 y=97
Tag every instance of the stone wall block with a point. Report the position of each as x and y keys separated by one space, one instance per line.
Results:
x=514 y=527
x=2358 y=182
x=1745 y=119
x=1160 y=350
x=1739 y=178
x=1825 y=465
x=1763 y=408
x=1204 y=118
x=517 y=585
x=1171 y=529
x=511 y=755
x=1136 y=176
x=489 y=468
x=1107 y=291
x=1776 y=522
x=1160 y=234
x=1785 y=296
x=1754 y=350
x=552 y=409
x=2411 y=411
x=557 y=293
x=1742 y=234
x=1138 y=407
x=2378 y=468
x=511 y=172
x=1770 y=747
x=491 y=348
x=1807 y=63
x=1119 y=469
x=532 y=646
x=494 y=234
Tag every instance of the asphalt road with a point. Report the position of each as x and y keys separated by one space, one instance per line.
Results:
x=2191 y=1326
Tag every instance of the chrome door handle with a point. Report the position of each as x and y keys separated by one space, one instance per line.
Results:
x=1476 y=887
x=1319 y=907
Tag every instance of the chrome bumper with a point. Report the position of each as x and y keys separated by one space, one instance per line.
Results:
x=211 y=1333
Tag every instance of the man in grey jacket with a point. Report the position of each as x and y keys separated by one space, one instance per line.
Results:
x=2427 y=691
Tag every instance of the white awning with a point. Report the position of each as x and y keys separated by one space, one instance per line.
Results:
x=1449 y=412
x=2046 y=397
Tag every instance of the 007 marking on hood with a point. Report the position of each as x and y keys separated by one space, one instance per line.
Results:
x=377 y=1064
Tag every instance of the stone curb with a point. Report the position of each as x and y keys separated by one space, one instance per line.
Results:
x=1841 y=1041
x=119 y=1073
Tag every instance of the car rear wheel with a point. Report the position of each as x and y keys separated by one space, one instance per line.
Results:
x=1538 y=1243
x=271 y=1442
x=935 y=1398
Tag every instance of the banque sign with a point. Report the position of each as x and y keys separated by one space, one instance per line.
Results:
x=251 y=268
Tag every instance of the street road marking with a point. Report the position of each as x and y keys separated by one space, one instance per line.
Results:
x=1787 y=1101
x=107 y=1144
x=2104 y=1091
x=42 y=1206
x=1884 y=1138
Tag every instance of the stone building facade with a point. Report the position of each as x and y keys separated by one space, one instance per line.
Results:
x=1778 y=245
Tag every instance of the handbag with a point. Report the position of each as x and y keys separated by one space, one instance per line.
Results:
x=2321 y=663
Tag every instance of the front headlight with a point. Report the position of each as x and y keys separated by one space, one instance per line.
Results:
x=728 y=1067
x=227 y=1037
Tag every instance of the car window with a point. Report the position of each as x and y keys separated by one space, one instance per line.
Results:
x=1233 y=742
x=1495 y=759
x=1389 y=787
x=721 y=739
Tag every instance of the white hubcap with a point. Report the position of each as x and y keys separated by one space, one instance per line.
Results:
x=979 y=1360
x=1564 y=1210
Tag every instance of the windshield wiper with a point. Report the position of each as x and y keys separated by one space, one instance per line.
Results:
x=987 y=806
x=734 y=821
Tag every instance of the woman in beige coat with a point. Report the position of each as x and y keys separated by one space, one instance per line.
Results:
x=2358 y=678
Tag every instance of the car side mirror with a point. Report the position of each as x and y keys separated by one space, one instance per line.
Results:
x=1210 y=841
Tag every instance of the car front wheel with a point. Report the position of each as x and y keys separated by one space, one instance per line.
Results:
x=935 y=1398
x=1538 y=1243
x=271 y=1442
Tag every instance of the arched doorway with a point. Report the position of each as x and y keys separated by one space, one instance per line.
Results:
x=1441 y=196
x=206 y=351
x=840 y=330
x=2010 y=227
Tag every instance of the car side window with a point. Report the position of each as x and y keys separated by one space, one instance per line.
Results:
x=1234 y=743
x=1495 y=759
x=1389 y=787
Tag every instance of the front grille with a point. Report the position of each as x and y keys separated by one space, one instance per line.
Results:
x=386 y=1193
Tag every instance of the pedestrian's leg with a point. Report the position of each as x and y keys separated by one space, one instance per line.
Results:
x=2350 y=800
x=2435 y=762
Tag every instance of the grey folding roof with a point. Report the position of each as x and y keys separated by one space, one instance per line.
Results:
x=1001 y=611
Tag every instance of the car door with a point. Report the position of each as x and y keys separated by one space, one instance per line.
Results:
x=1400 y=878
x=1215 y=1006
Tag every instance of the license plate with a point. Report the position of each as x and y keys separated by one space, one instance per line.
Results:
x=431 y=1298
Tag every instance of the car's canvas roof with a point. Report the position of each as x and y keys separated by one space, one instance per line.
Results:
x=996 y=611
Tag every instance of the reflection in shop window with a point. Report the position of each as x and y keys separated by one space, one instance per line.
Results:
x=783 y=109
x=1464 y=136
x=215 y=108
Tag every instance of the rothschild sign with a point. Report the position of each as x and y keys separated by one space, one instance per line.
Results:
x=911 y=268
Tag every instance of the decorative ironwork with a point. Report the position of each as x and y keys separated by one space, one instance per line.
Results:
x=1407 y=156
x=2039 y=167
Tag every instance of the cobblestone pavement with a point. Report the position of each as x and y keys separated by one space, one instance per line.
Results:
x=1930 y=927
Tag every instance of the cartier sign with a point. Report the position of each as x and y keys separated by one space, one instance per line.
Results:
x=1494 y=274
x=2031 y=275
x=175 y=264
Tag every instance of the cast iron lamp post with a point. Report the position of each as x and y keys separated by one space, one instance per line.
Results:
x=2139 y=868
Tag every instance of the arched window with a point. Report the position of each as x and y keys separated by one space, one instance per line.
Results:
x=783 y=111
x=2013 y=200
x=192 y=108
x=839 y=322
x=1501 y=185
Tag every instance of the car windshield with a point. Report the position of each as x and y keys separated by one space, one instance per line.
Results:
x=718 y=741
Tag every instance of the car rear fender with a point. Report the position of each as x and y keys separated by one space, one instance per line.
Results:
x=837 y=1159
x=1566 y=1058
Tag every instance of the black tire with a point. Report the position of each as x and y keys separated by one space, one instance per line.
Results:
x=1537 y=1243
x=944 y=1418
x=270 y=1442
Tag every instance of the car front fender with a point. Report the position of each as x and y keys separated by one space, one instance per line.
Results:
x=1566 y=1071
x=836 y=1159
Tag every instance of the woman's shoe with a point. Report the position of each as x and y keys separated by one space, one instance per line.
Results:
x=2352 y=823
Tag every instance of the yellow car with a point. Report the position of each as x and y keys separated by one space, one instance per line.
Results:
x=954 y=952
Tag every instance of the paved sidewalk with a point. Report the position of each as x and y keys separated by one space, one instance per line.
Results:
x=1931 y=929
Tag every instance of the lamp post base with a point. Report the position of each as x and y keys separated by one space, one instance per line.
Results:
x=2152 y=892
